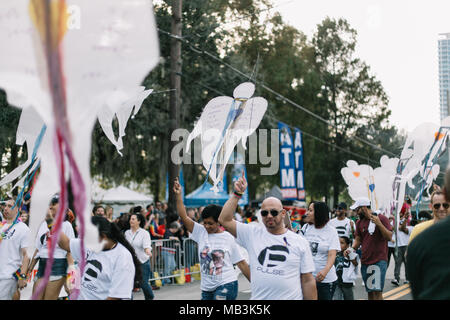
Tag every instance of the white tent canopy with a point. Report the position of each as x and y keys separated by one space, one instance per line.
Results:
x=121 y=194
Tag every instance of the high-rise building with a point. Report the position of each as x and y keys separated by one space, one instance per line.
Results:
x=444 y=74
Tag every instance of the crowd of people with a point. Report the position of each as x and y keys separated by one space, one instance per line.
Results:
x=290 y=257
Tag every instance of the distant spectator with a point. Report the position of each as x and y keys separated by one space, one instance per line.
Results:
x=109 y=212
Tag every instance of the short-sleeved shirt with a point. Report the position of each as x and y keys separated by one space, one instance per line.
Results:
x=107 y=273
x=42 y=237
x=16 y=239
x=418 y=228
x=276 y=262
x=321 y=241
x=374 y=247
x=343 y=227
x=218 y=252
x=427 y=265
x=140 y=240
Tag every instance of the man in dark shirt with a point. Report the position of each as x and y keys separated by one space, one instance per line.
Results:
x=428 y=258
x=372 y=233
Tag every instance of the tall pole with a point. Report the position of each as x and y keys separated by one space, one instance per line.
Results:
x=175 y=95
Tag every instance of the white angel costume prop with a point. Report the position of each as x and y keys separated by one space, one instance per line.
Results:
x=385 y=186
x=67 y=75
x=223 y=123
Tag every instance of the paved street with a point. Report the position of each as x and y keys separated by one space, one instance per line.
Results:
x=191 y=291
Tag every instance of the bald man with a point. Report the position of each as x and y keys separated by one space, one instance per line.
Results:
x=428 y=258
x=280 y=260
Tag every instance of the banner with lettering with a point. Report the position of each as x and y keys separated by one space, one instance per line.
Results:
x=236 y=173
x=299 y=172
x=287 y=163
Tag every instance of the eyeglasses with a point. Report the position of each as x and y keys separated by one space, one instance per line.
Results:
x=273 y=212
x=436 y=206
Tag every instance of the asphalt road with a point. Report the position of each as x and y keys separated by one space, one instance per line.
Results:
x=191 y=291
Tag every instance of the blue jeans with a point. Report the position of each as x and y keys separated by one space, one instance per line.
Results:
x=146 y=288
x=374 y=275
x=169 y=262
x=228 y=291
x=325 y=291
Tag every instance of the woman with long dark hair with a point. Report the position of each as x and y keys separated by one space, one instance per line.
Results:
x=139 y=238
x=111 y=273
x=324 y=243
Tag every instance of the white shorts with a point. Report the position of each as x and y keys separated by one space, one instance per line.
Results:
x=7 y=288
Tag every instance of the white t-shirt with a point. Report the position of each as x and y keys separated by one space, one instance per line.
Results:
x=140 y=241
x=343 y=227
x=403 y=238
x=10 y=249
x=276 y=262
x=218 y=252
x=107 y=273
x=41 y=240
x=321 y=241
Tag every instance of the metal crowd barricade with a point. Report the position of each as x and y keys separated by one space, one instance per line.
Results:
x=172 y=255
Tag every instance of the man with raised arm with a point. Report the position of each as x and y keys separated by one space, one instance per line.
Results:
x=281 y=263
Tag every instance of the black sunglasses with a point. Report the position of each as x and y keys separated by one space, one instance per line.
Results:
x=273 y=212
x=438 y=205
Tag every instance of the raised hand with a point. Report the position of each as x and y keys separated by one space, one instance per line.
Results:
x=176 y=187
x=241 y=184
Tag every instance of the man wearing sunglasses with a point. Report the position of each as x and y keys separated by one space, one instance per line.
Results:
x=428 y=256
x=439 y=206
x=280 y=260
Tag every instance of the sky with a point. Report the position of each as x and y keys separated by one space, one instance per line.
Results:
x=398 y=39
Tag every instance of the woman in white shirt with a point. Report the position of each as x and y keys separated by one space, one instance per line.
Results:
x=139 y=238
x=324 y=243
x=111 y=273
x=218 y=252
x=61 y=259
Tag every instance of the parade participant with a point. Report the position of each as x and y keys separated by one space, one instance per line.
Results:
x=281 y=263
x=372 y=234
x=62 y=259
x=346 y=271
x=402 y=240
x=324 y=243
x=111 y=273
x=344 y=226
x=139 y=238
x=428 y=256
x=439 y=206
x=218 y=277
x=109 y=212
x=14 y=241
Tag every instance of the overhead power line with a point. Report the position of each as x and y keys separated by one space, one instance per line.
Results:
x=261 y=84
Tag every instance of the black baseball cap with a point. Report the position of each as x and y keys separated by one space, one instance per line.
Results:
x=55 y=199
x=342 y=205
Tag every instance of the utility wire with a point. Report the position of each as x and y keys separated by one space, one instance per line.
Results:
x=261 y=84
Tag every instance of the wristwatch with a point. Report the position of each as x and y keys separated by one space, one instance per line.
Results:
x=23 y=276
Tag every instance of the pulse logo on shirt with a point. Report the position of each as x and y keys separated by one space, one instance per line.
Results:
x=94 y=267
x=272 y=256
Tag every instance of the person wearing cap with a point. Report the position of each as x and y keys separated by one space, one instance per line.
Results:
x=373 y=232
x=344 y=226
x=428 y=258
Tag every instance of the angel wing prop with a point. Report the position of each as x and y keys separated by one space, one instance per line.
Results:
x=66 y=74
x=223 y=123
